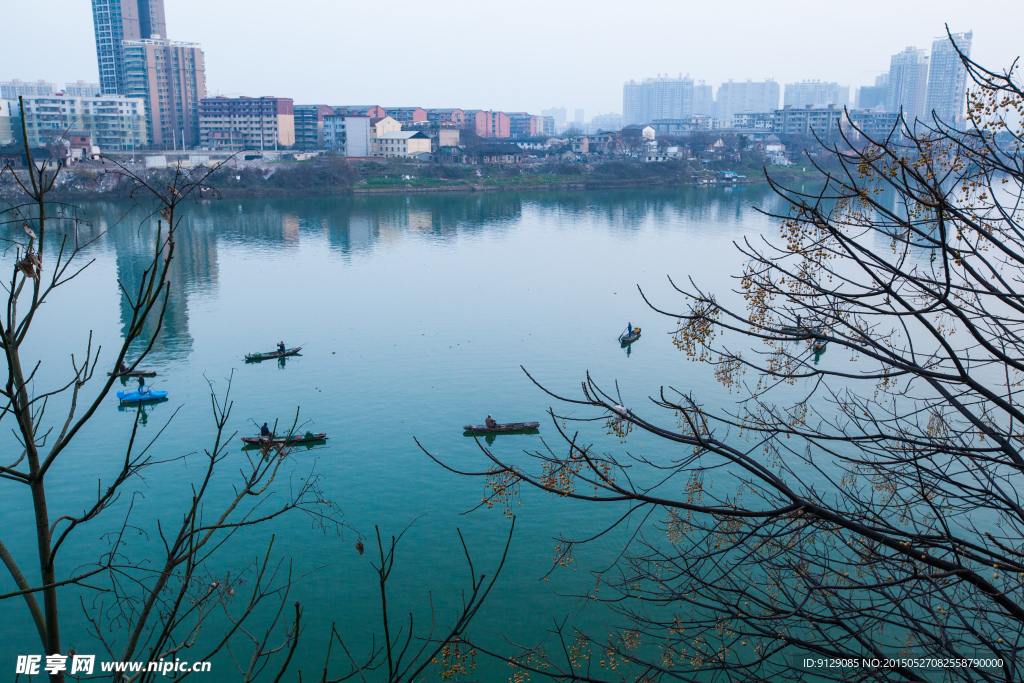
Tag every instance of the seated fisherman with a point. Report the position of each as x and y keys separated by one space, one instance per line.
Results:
x=264 y=430
x=490 y=422
x=280 y=347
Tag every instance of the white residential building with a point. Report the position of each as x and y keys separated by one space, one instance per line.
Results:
x=735 y=97
x=815 y=94
x=113 y=122
x=348 y=134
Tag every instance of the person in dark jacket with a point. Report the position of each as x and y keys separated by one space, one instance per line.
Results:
x=280 y=347
x=264 y=430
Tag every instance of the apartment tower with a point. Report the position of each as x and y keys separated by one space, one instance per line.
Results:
x=171 y=77
x=116 y=21
x=908 y=84
x=947 y=77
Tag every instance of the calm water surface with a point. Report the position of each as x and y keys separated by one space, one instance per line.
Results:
x=415 y=315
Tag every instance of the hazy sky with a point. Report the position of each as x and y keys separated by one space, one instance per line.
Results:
x=513 y=55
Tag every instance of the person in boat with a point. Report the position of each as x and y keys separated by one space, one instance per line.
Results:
x=143 y=389
x=123 y=367
x=629 y=329
x=264 y=430
x=798 y=321
x=280 y=347
x=490 y=423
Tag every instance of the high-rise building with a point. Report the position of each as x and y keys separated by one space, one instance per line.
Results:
x=82 y=89
x=556 y=113
x=578 y=117
x=873 y=96
x=947 y=78
x=606 y=122
x=116 y=21
x=663 y=97
x=171 y=78
x=11 y=90
x=746 y=96
x=815 y=94
x=908 y=84
x=703 y=99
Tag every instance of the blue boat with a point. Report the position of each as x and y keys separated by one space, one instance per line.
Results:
x=145 y=395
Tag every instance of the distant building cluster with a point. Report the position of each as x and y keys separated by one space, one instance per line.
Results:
x=152 y=95
x=916 y=85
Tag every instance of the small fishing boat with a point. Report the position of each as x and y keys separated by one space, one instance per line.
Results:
x=627 y=338
x=507 y=428
x=285 y=440
x=144 y=395
x=134 y=373
x=257 y=357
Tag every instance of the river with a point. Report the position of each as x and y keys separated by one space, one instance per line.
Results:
x=415 y=315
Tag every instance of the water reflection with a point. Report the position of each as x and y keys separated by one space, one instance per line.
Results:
x=351 y=225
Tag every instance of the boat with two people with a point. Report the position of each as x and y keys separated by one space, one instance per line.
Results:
x=491 y=427
x=289 y=440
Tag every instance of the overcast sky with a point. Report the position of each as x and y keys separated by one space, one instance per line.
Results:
x=513 y=55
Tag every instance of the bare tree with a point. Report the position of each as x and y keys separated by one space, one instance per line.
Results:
x=402 y=655
x=143 y=610
x=851 y=519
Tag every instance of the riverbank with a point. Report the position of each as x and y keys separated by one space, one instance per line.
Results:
x=336 y=177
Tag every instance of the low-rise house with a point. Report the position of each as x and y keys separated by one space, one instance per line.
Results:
x=379 y=127
x=535 y=143
x=581 y=145
x=402 y=143
x=498 y=153
x=449 y=154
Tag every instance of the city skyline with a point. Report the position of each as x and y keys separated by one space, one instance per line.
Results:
x=545 y=72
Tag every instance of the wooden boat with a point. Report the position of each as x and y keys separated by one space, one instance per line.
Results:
x=134 y=373
x=145 y=396
x=285 y=440
x=507 y=428
x=256 y=357
x=626 y=338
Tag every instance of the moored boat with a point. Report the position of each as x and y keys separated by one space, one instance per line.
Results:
x=506 y=428
x=256 y=357
x=134 y=373
x=144 y=396
x=285 y=440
